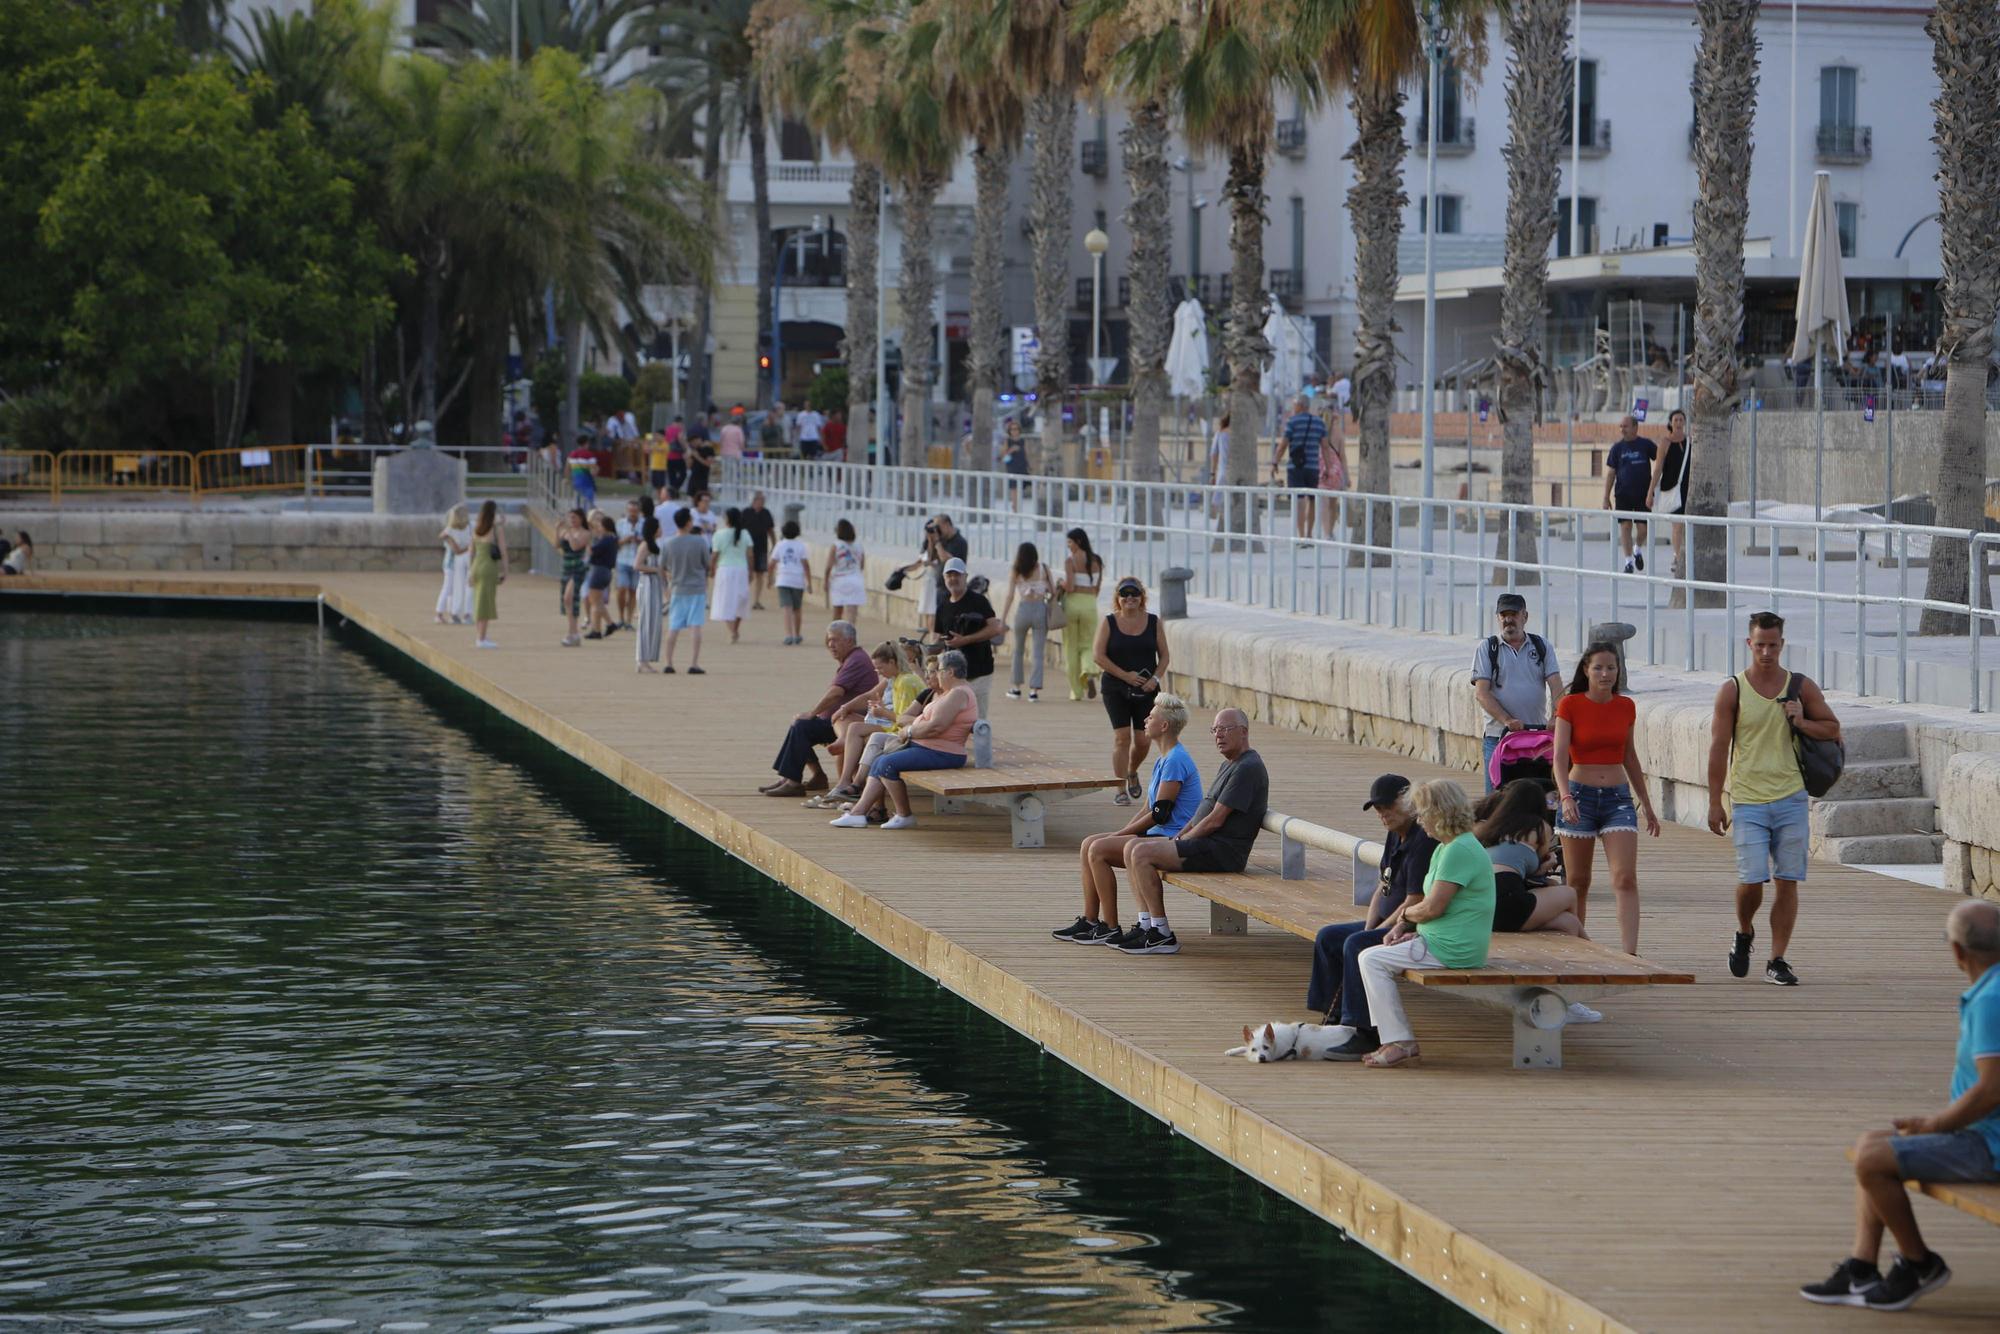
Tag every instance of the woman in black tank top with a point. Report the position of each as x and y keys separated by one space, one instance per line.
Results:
x=1132 y=654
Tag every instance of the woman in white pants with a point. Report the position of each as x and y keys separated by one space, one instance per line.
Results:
x=454 y=605
x=1449 y=925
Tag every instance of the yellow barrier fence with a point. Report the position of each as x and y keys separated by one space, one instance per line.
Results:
x=25 y=470
x=267 y=468
x=82 y=470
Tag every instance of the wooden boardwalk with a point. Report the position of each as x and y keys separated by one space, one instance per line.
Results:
x=1684 y=1171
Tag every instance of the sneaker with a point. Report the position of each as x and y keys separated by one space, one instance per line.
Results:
x=1905 y=1282
x=1015 y=693
x=849 y=822
x=1034 y=695
x=668 y=670
x=1117 y=939
x=1364 y=1041
x=1627 y=566
x=1132 y=787
x=1082 y=926
x=1119 y=798
x=612 y=629
x=1779 y=974
x=1100 y=933
x=484 y=643
x=1579 y=1013
x=571 y=641
x=1848 y=1285
x=900 y=822
x=595 y=634
x=1639 y=562
x=697 y=671
x=1151 y=941
x=1739 y=954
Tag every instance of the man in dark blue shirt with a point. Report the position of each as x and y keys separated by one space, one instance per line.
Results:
x=1628 y=478
x=1299 y=450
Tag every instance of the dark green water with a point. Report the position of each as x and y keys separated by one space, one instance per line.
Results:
x=329 y=1002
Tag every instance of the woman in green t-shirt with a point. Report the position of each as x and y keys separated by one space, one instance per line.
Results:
x=1449 y=925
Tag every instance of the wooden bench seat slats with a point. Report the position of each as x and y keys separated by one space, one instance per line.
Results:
x=1979 y=1201
x=1015 y=769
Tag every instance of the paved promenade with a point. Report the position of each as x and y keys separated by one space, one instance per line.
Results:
x=1684 y=1171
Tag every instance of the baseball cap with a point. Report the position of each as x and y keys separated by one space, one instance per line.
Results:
x=1510 y=602
x=954 y=566
x=1385 y=790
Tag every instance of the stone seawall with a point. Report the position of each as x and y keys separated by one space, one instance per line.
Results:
x=190 y=540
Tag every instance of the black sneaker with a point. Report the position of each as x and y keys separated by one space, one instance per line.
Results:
x=1739 y=954
x=1848 y=1285
x=667 y=670
x=1779 y=974
x=1364 y=1041
x=1906 y=1282
x=595 y=634
x=1116 y=939
x=1151 y=941
x=1639 y=562
x=1100 y=933
x=1080 y=927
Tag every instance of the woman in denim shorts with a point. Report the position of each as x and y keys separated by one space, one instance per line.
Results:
x=1597 y=776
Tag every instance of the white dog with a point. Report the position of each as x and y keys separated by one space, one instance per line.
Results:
x=1285 y=1042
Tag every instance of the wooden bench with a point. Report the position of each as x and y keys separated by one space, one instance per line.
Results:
x=1980 y=1200
x=1534 y=975
x=1020 y=780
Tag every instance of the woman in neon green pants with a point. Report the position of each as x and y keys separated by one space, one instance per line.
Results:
x=1083 y=577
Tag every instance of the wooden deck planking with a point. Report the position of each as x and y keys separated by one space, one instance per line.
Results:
x=1684 y=1171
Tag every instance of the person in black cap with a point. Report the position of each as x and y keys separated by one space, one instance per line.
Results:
x=1336 y=973
x=1515 y=678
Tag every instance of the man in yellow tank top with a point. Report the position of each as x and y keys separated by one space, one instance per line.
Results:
x=1752 y=755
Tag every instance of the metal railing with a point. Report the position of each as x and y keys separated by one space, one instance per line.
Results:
x=27 y=470
x=309 y=471
x=80 y=471
x=1431 y=565
x=1295 y=835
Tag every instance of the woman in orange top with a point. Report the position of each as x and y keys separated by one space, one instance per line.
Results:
x=1598 y=777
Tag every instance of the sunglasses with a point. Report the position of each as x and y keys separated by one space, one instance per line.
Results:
x=1130 y=593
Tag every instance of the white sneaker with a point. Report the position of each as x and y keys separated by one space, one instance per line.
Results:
x=1014 y=693
x=485 y=643
x=849 y=822
x=1579 y=1013
x=900 y=822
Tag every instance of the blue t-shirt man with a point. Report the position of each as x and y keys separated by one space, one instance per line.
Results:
x=1303 y=434
x=1979 y=1036
x=1175 y=766
x=1630 y=464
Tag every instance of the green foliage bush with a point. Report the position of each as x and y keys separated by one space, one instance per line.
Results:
x=828 y=390
x=654 y=385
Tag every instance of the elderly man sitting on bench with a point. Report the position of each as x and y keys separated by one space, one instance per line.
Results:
x=1959 y=1144
x=1219 y=837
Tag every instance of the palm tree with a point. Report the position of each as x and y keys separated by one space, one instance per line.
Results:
x=487 y=29
x=1537 y=34
x=1965 y=34
x=1725 y=90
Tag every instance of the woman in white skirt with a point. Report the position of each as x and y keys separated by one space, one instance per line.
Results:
x=845 y=589
x=731 y=600
x=454 y=605
x=646 y=563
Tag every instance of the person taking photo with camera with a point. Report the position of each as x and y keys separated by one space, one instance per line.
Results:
x=966 y=621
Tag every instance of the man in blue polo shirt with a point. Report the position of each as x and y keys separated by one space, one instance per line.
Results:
x=1298 y=449
x=1959 y=1144
x=1628 y=481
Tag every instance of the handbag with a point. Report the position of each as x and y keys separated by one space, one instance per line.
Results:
x=1820 y=760
x=895 y=579
x=1058 y=614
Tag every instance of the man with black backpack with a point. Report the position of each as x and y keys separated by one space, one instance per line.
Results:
x=1764 y=718
x=1515 y=677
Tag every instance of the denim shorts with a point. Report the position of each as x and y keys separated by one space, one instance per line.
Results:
x=598 y=579
x=1600 y=810
x=1770 y=839
x=1961 y=1155
x=687 y=611
x=627 y=576
x=914 y=756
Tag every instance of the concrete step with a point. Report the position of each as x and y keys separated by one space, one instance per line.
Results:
x=1866 y=819
x=1881 y=849
x=1877 y=741
x=1865 y=780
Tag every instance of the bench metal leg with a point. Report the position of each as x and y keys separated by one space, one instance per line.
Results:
x=1024 y=812
x=1539 y=1015
x=1227 y=921
x=947 y=806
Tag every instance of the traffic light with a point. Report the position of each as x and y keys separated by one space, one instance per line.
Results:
x=764 y=363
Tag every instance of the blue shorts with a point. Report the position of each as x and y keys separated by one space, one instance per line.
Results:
x=1600 y=810
x=599 y=578
x=1961 y=1155
x=627 y=576
x=1302 y=479
x=1771 y=839
x=687 y=611
x=914 y=756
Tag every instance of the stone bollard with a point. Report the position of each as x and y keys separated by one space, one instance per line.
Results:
x=979 y=746
x=1615 y=633
x=795 y=512
x=1173 y=592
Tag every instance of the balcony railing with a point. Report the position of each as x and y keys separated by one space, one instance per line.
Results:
x=1846 y=143
x=812 y=173
x=1094 y=156
x=1124 y=291
x=1453 y=140
x=1594 y=138
x=1292 y=138
x=1288 y=285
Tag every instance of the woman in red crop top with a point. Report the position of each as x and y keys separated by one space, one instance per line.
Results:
x=1598 y=776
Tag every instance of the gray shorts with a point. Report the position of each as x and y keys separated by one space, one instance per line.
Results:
x=792 y=598
x=1961 y=1155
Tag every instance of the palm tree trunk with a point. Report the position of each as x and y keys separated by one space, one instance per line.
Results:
x=857 y=347
x=767 y=257
x=917 y=297
x=987 y=352
x=1537 y=37
x=572 y=402
x=701 y=387
x=1150 y=312
x=1243 y=341
x=1375 y=211
x=1053 y=118
x=1965 y=34
x=429 y=332
x=1725 y=88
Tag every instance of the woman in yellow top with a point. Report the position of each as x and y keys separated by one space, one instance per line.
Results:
x=862 y=720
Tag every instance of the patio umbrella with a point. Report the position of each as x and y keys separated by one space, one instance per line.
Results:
x=1822 y=310
x=1286 y=373
x=1187 y=351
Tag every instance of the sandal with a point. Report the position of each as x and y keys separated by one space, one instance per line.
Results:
x=1391 y=1054
x=1132 y=788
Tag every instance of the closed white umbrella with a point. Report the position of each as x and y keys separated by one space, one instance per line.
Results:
x=1822 y=309
x=1286 y=373
x=1187 y=351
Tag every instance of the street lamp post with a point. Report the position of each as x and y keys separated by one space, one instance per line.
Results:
x=1096 y=242
x=1434 y=41
x=882 y=407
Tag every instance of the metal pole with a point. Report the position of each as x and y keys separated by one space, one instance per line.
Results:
x=1430 y=270
x=881 y=328
x=777 y=337
x=1819 y=431
x=1792 y=144
x=1576 y=130
x=1889 y=401
x=514 y=32
x=1096 y=314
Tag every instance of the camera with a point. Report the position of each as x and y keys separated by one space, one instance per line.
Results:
x=930 y=525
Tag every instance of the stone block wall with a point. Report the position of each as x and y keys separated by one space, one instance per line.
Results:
x=1969 y=815
x=191 y=540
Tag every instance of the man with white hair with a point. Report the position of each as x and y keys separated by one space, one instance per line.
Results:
x=855 y=676
x=1959 y=1144
x=1298 y=449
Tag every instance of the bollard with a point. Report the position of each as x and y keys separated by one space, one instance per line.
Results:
x=795 y=512
x=1614 y=633
x=979 y=750
x=1173 y=592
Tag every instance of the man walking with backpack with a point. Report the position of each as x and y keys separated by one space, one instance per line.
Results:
x=1515 y=677
x=1753 y=754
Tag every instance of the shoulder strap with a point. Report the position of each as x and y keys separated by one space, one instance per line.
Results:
x=1791 y=688
x=1493 y=659
x=1541 y=648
